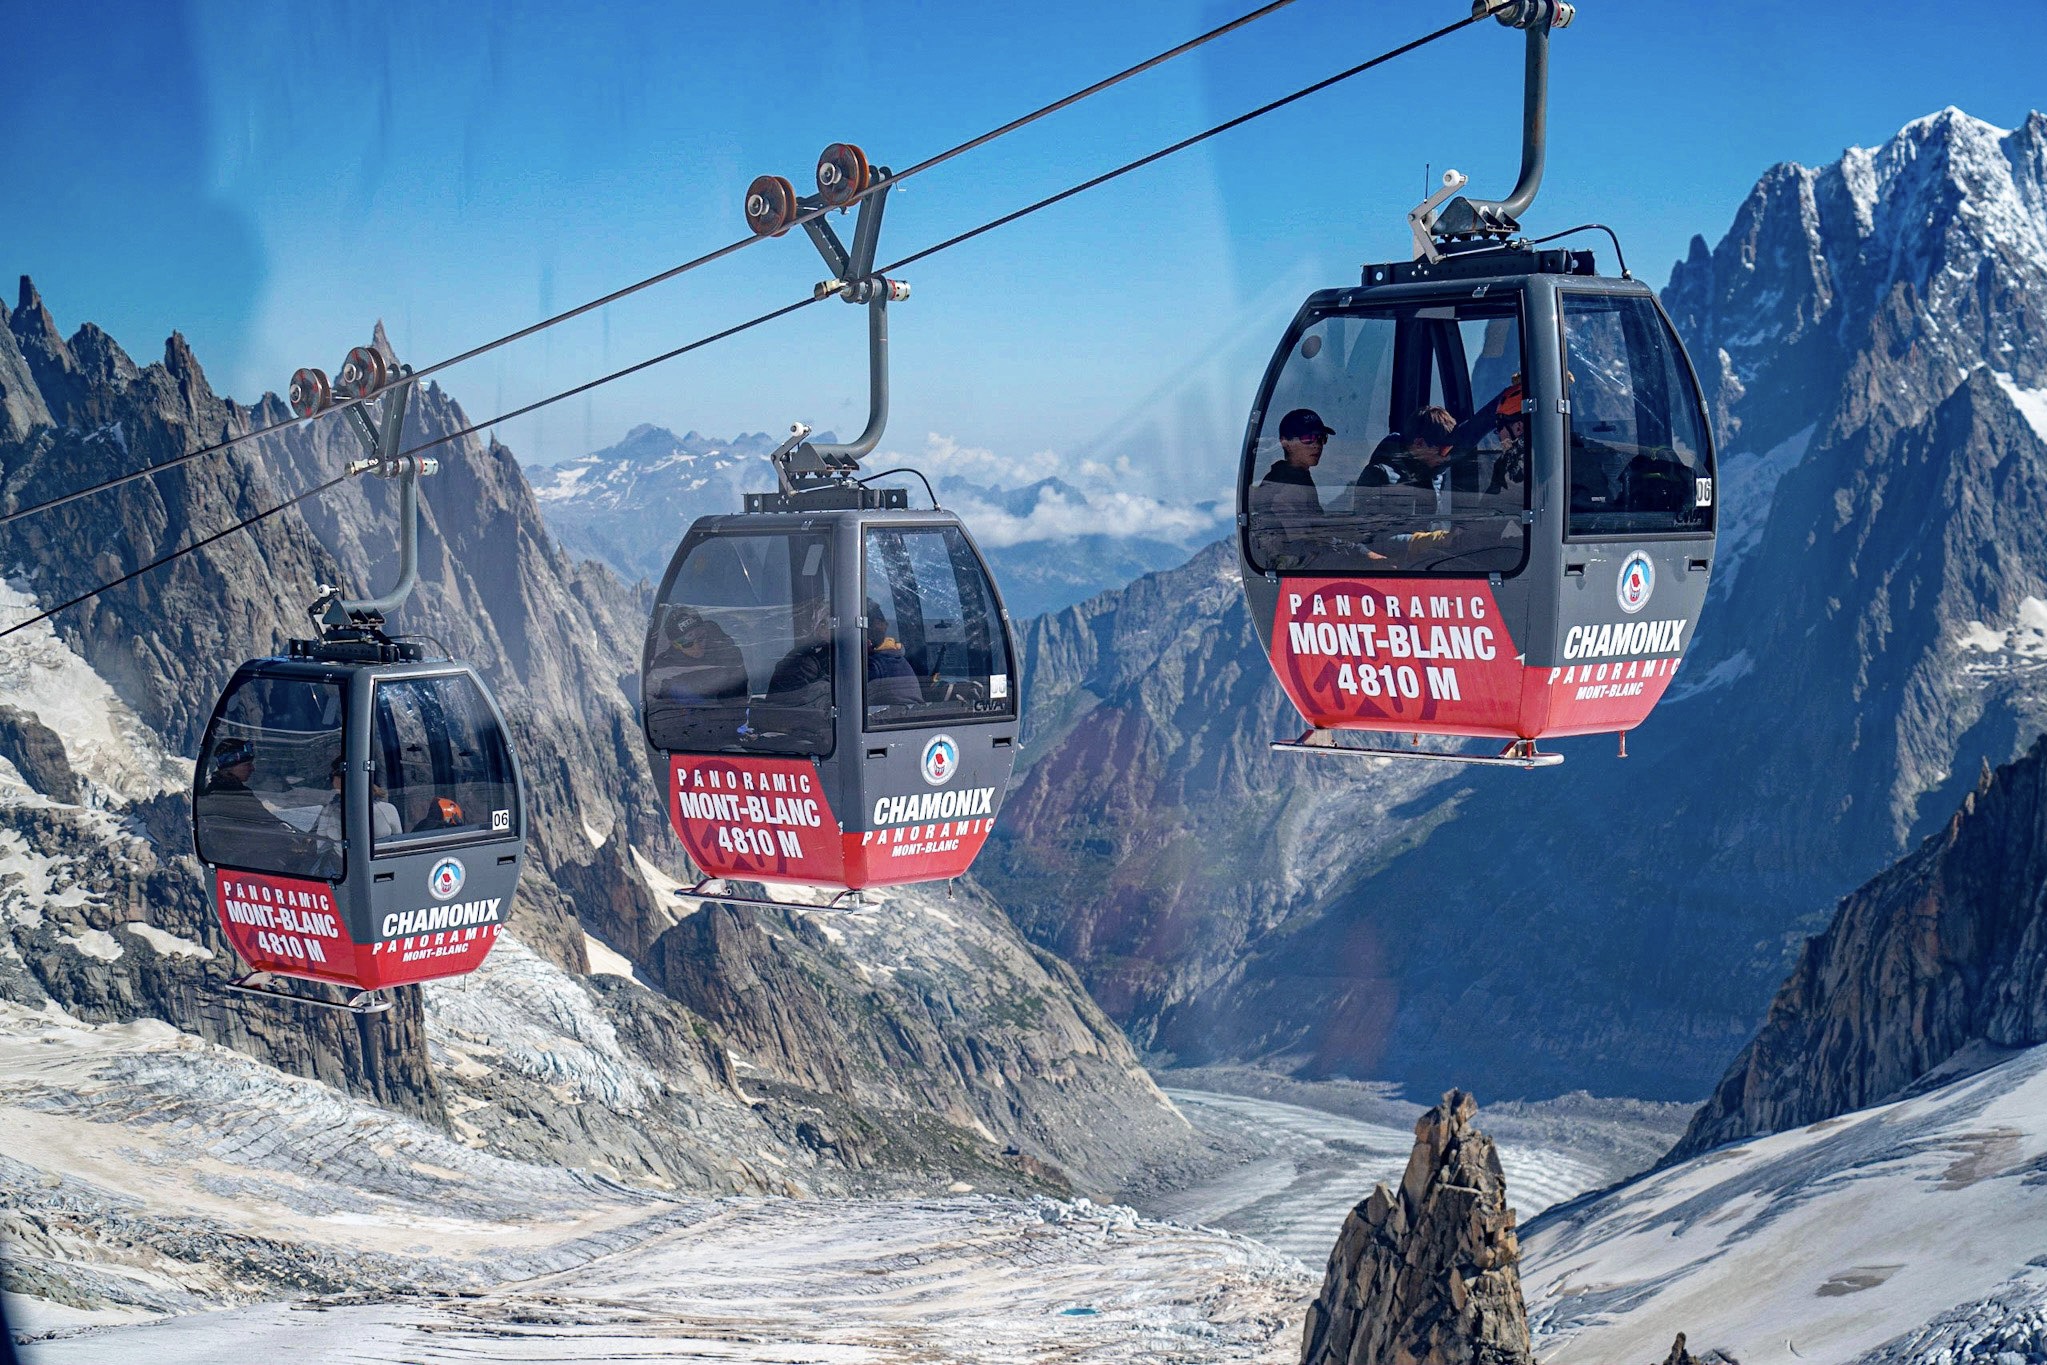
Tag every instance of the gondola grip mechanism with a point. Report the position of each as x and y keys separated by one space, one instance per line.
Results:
x=1421 y=219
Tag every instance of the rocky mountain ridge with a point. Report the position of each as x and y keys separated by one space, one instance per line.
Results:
x=982 y=1044
x=1874 y=340
x=1050 y=540
x=1933 y=968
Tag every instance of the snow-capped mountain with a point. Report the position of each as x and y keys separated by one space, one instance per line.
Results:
x=628 y=504
x=1905 y=1234
x=580 y=1048
x=1874 y=334
x=1054 y=531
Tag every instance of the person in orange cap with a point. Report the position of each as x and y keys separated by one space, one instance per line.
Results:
x=1510 y=424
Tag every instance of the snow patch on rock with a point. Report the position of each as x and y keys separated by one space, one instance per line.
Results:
x=2031 y=403
x=104 y=742
x=169 y=945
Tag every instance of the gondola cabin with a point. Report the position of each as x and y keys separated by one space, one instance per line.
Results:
x=359 y=813
x=1476 y=499
x=832 y=681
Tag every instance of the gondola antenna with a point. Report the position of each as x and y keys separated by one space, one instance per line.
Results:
x=1466 y=222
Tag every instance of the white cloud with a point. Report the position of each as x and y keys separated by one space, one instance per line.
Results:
x=1102 y=501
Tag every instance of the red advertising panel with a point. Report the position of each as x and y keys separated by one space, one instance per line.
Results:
x=294 y=927
x=286 y=925
x=1435 y=658
x=915 y=853
x=759 y=819
x=1395 y=654
x=766 y=819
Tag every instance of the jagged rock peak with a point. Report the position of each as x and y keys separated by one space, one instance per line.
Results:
x=182 y=364
x=1681 y=1355
x=100 y=358
x=33 y=326
x=1427 y=1275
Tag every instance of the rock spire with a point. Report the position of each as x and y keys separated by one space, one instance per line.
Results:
x=1426 y=1275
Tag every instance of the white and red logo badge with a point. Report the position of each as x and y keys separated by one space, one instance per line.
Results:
x=941 y=760
x=1637 y=582
x=446 y=878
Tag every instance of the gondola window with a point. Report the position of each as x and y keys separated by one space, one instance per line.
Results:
x=440 y=771
x=739 y=657
x=1390 y=444
x=1639 y=460
x=269 y=797
x=932 y=644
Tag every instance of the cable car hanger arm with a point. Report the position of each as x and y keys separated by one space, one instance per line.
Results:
x=1466 y=217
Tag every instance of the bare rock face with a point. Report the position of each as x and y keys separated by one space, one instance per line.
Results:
x=1944 y=954
x=1426 y=1275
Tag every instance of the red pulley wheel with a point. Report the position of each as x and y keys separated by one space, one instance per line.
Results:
x=841 y=173
x=770 y=205
x=310 y=392
x=362 y=374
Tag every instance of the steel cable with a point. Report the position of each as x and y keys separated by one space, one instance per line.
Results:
x=880 y=185
x=783 y=311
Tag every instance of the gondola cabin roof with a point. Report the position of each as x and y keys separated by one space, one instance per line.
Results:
x=1493 y=263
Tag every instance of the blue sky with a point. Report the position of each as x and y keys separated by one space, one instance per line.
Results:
x=270 y=180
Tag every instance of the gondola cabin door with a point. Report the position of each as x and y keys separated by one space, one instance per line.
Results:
x=1478 y=507
x=836 y=696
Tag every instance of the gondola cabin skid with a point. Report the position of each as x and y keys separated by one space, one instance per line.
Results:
x=1476 y=497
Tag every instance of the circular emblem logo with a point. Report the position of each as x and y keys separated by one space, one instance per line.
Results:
x=1637 y=581
x=941 y=759
x=445 y=881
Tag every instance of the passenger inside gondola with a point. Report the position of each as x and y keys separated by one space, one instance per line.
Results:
x=891 y=681
x=383 y=815
x=700 y=663
x=1422 y=480
x=1287 y=492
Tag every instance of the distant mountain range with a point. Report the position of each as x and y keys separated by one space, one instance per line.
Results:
x=1873 y=336
x=1051 y=541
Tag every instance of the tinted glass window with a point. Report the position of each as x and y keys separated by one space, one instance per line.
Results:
x=739 y=652
x=933 y=645
x=441 y=771
x=1639 y=460
x=267 y=794
x=1392 y=442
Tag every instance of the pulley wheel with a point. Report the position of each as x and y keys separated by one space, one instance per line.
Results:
x=362 y=374
x=841 y=173
x=310 y=392
x=770 y=205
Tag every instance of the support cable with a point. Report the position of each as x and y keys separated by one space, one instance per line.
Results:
x=879 y=187
x=781 y=312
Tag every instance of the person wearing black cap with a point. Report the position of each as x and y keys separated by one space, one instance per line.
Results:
x=1286 y=495
x=234 y=822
